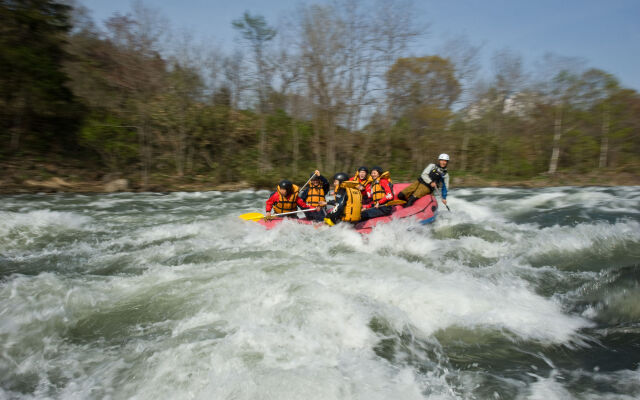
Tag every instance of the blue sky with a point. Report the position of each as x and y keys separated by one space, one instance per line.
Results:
x=606 y=34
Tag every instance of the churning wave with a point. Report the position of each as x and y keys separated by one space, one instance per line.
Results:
x=516 y=293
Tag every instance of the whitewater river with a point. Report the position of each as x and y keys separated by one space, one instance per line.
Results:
x=515 y=294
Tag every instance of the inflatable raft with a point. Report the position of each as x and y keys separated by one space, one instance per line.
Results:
x=423 y=210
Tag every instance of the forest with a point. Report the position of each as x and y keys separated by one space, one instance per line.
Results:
x=337 y=86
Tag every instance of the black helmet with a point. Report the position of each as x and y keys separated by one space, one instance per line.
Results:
x=340 y=177
x=363 y=168
x=286 y=185
x=314 y=177
x=379 y=169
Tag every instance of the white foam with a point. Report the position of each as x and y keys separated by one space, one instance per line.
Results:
x=228 y=309
x=565 y=239
x=546 y=389
x=463 y=210
x=40 y=220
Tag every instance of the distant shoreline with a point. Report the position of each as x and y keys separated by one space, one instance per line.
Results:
x=70 y=184
x=28 y=175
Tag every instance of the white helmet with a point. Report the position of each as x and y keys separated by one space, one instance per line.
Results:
x=443 y=156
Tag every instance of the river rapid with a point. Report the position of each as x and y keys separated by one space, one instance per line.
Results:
x=514 y=294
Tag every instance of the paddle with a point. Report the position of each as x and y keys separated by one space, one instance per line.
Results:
x=303 y=186
x=256 y=216
x=440 y=194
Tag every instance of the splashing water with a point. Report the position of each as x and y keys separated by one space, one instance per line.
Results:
x=517 y=293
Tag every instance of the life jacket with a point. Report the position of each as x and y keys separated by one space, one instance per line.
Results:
x=354 y=201
x=315 y=195
x=364 y=182
x=283 y=204
x=437 y=174
x=377 y=191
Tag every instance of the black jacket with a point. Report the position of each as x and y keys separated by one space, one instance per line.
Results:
x=340 y=203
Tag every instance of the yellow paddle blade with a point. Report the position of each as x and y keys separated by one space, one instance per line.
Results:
x=394 y=203
x=255 y=216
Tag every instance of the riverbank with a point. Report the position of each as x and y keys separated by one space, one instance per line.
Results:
x=23 y=177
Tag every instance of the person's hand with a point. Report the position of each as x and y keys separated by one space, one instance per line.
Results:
x=377 y=205
x=360 y=187
x=317 y=172
x=433 y=185
x=444 y=201
x=322 y=203
x=268 y=217
x=318 y=208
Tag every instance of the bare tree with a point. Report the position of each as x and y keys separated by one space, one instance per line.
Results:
x=598 y=88
x=288 y=69
x=466 y=59
x=394 y=29
x=562 y=88
x=257 y=33
x=234 y=73
x=345 y=51
x=558 y=77
x=137 y=70
x=509 y=79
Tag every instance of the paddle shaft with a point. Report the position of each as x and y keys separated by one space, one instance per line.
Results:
x=303 y=186
x=292 y=212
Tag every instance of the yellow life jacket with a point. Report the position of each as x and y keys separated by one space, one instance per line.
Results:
x=315 y=195
x=377 y=191
x=354 y=201
x=284 y=204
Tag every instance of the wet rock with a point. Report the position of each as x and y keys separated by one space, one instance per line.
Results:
x=116 y=185
x=53 y=184
x=60 y=182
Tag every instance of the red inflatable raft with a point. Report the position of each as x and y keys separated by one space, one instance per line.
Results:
x=424 y=210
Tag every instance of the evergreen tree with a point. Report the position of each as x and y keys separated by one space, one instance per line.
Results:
x=36 y=107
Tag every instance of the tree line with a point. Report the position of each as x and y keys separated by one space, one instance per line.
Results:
x=336 y=86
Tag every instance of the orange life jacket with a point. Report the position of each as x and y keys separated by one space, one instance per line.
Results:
x=364 y=182
x=286 y=204
x=315 y=195
x=377 y=191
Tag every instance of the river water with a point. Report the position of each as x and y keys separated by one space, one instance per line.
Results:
x=515 y=294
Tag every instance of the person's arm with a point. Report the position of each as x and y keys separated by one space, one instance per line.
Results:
x=366 y=198
x=425 y=174
x=271 y=201
x=366 y=195
x=304 y=193
x=445 y=185
x=301 y=203
x=325 y=184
